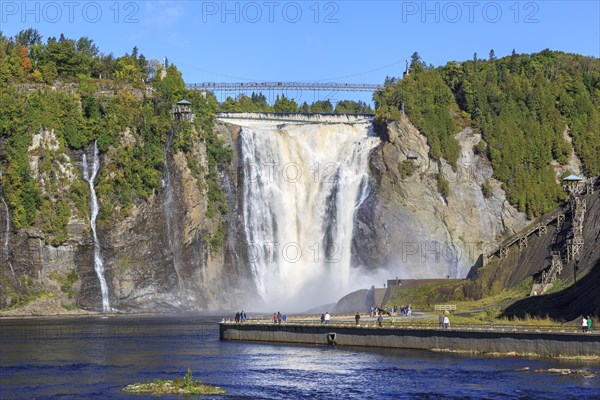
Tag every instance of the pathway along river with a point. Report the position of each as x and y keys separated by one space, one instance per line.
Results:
x=96 y=357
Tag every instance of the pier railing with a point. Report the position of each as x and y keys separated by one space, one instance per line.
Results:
x=403 y=324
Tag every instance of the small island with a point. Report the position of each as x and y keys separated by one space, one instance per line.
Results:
x=176 y=386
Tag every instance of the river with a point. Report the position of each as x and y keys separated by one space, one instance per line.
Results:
x=95 y=357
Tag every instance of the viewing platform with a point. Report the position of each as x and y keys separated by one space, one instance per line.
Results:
x=477 y=339
x=295 y=118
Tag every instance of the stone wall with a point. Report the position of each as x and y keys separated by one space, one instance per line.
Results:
x=547 y=344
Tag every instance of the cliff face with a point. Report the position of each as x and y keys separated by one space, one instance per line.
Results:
x=146 y=269
x=408 y=227
x=405 y=226
x=579 y=276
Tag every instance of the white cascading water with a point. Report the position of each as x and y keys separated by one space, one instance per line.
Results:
x=89 y=174
x=5 y=246
x=302 y=185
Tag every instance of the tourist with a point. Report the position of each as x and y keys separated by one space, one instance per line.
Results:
x=380 y=320
x=357 y=319
x=242 y=316
x=446 y=322
x=322 y=318
x=589 y=322
x=372 y=311
x=327 y=317
x=441 y=319
x=275 y=318
x=279 y=317
x=584 y=324
x=237 y=317
x=284 y=318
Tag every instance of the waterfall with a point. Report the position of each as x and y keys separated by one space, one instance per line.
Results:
x=89 y=174
x=5 y=246
x=302 y=185
x=169 y=205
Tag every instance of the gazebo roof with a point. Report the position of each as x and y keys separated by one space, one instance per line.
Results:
x=184 y=103
x=572 y=178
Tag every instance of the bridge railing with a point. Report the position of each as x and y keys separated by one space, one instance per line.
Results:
x=415 y=324
x=283 y=86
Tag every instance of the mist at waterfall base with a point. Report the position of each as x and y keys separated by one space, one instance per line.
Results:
x=302 y=185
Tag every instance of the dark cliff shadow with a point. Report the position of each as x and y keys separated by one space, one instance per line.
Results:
x=582 y=298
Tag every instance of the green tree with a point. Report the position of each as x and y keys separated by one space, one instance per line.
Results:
x=284 y=105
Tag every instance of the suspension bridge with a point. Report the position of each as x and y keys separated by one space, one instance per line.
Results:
x=283 y=86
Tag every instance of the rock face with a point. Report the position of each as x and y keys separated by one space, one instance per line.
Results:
x=404 y=226
x=407 y=226
x=137 y=251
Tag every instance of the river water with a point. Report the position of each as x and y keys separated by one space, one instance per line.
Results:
x=95 y=357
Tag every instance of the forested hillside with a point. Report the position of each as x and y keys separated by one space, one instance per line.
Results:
x=67 y=87
x=523 y=105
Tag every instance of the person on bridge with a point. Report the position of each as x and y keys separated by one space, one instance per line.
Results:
x=322 y=318
x=327 y=317
x=380 y=320
x=446 y=322
x=584 y=324
x=589 y=322
x=357 y=319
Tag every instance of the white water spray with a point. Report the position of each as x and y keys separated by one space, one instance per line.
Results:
x=89 y=174
x=302 y=185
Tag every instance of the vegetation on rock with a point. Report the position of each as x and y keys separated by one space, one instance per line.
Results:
x=176 y=386
x=522 y=105
x=122 y=103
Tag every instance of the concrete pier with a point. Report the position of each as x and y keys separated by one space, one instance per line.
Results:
x=540 y=343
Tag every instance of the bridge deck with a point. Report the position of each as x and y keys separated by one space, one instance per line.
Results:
x=220 y=86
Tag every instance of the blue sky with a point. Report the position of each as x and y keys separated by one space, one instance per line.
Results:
x=340 y=41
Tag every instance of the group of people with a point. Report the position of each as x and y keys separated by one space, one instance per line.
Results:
x=586 y=324
x=240 y=317
x=325 y=318
x=444 y=321
x=404 y=310
x=278 y=318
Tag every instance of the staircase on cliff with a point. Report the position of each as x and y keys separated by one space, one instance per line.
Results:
x=573 y=246
x=560 y=234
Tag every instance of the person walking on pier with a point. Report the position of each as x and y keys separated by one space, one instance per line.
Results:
x=279 y=317
x=357 y=319
x=446 y=322
x=327 y=317
x=441 y=319
x=322 y=318
x=584 y=324
x=589 y=322
x=380 y=320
